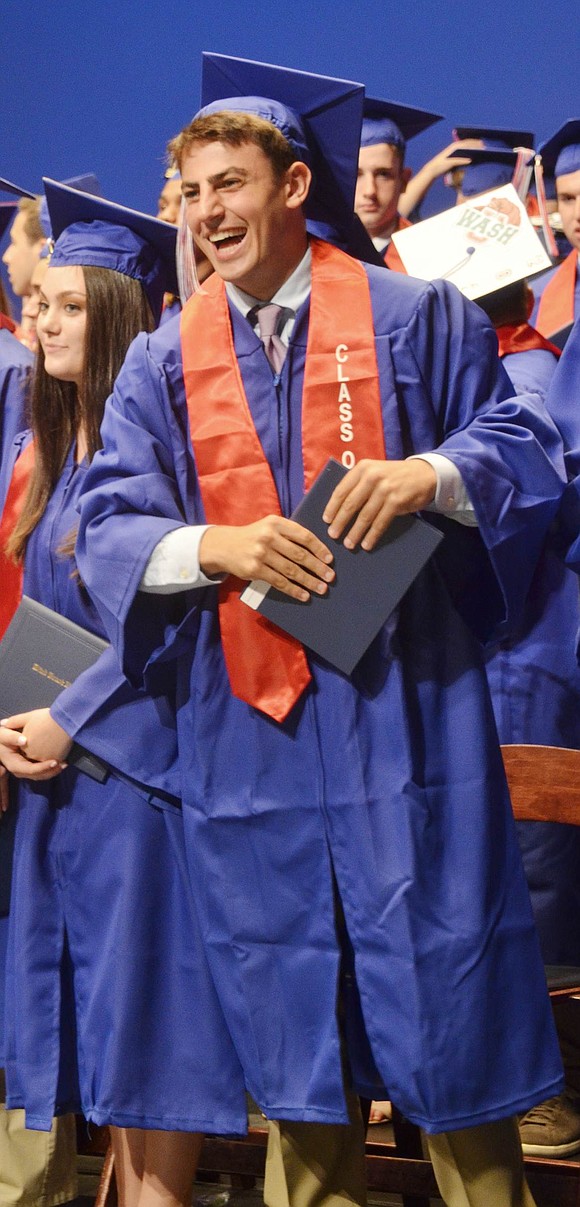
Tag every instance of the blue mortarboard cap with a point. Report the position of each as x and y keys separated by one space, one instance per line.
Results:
x=489 y=168
x=389 y=122
x=92 y=231
x=6 y=186
x=492 y=165
x=86 y=184
x=561 y=153
x=321 y=118
x=496 y=136
x=281 y=116
x=7 y=212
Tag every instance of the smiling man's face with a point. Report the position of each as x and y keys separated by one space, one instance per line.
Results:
x=242 y=217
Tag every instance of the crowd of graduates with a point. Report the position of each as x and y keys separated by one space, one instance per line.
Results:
x=287 y=881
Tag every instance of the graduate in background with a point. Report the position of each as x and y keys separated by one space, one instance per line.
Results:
x=15 y=361
x=563 y=401
x=529 y=358
x=534 y=679
x=466 y=174
x=382 y=176
x=533 y=673
x=7 y=214
x=168 y=209
x=169 y=203
x=558 y=304
x=27 y=238
x=110 y=1007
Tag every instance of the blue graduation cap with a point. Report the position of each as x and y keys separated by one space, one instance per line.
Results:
x=561 y=153
x=86 y=184
x=320 y=117
x=392 y=123
x=492 y=165
x=6 y=186
x=7 y=212
x=90 y=230
x=497 y=136
x=489 y=168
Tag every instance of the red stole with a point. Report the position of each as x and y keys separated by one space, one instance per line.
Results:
x=522 y=337
x=11 y=573
x=392 y=257
x=341 y=417
x=7 y=323
x=556 y=307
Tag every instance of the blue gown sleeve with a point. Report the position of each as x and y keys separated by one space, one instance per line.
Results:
x=530 y=372
x=15 y=369
x=130 y=731
x=507 y=449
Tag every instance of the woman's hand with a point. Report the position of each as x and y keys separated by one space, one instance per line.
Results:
x=13 y=758
x=33 y=746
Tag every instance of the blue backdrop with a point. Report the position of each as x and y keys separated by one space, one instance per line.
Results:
x=102 y=86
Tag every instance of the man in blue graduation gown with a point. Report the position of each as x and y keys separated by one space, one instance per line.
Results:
x=377 y=798
x=382 y=176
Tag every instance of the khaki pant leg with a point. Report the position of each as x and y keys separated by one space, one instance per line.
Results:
x=481 y=1166
x=316 y=1164
x=37 y=1169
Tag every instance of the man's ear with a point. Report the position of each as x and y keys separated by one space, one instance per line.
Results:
x=298 y=178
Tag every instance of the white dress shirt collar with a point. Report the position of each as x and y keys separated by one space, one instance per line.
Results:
x=291 y=294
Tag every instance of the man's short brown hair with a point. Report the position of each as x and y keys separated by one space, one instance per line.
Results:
x=234 y=129
x=30 y=207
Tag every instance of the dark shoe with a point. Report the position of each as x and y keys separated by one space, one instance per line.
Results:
x=552 y=1129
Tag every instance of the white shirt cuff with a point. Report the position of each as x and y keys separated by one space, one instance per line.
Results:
x=451 y=497
x=174 y=563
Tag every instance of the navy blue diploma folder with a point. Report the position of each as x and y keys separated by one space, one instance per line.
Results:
x=41 y=653
x=368 y=585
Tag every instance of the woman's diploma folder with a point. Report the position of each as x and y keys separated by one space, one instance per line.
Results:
x=41 y=653
x=341 y=624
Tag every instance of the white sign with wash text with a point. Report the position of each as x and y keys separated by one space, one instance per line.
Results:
x=480 y=245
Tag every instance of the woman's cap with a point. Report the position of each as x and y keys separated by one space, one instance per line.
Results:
x=90 y=230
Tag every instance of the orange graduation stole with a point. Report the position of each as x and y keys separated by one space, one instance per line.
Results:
x=11 y=573
x=341 y=417
x=522 y=337
x=556 y=307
